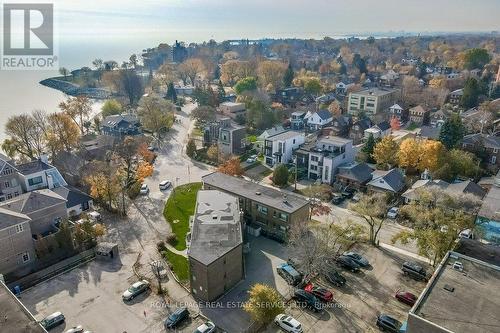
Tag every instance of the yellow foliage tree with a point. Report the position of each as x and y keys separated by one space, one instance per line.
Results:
x=432 y=155
x=264 y=303
x=104 y=187
x=385 y=152
x=409 y=154
x=144 y=169
x=418 y=155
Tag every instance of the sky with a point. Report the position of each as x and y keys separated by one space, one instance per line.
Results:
x=199 y=20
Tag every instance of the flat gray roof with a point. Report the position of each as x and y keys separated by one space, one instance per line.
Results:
x=375 y=92
x=490 y=208
x=15 y=317
x=216 y=226
x=285 y=135
x=265 y=195
x=474 y=303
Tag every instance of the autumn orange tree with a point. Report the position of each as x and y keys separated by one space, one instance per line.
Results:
x=104 y=187
x=231 y=167
x=144 y=169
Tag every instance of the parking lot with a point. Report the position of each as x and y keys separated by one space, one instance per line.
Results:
x=365 y=295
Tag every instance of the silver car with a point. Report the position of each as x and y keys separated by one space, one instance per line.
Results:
x=135 y=290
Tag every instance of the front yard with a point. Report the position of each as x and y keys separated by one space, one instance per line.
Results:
x=180 y=265
x=178 y=209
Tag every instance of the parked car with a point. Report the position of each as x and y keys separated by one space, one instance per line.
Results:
x=94 y=216
x=358 y=258
x=288 y=323
x=176 y=317
x=348 y=263
x=207 y=327
x=53 y=320
x=467 y=233
x=393 y=213
x=135 y=290
x=356 y=197
x=252 y=159
x=348 y=193
x=75 y=329
x=305 y=299
x=388 y=323
x=337 y=198
x=322 y=294
x=289 y=273
x=334 y=277
x=164 y=185
x=406 y=297
x=414 y=271
x=144 y=189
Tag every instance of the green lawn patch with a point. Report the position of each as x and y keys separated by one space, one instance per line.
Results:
x=179 y=264
x=179 y=207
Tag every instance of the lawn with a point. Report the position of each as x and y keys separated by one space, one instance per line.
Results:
x=179 y=207
x=179 y=264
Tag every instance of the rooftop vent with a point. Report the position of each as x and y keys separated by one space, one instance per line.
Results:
x=215 y=216
x=449 y=288
x=257 y=193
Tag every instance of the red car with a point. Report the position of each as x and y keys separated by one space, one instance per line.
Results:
x=406 y=297
x=321 y=293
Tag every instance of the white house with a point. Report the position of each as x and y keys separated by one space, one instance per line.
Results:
x=39 y=174
x=341 y=87
x=259 y=144
x=379 y=131
x=279 y=148
x=319 y=119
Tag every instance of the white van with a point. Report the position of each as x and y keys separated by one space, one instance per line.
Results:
x=53 y=320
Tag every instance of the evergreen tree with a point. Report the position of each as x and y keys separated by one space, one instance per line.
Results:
x=217 y=72
x=452 y=132
x=368 y=148
x=471 y=93
x=221 y=92
x=280 y=175
x=171 y=93
x=191 y=148
x=288 y=77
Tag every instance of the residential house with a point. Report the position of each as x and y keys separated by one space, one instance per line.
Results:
x=455 y=96
x=39 y=174
x=429 y=132
x=398 y=112
x=215 y=250
x=10 y=184
x=421 y=184
x=233 y=110
x=326 y=98
x=438 y=118
x=357 y=131
x=476 y=119
x=318 y=120
x=297 y=120
x=341 y=88
x=288 y=96
x=372 y=101
x=379 y=131
x=354 y=175
x=231 y=139
x=419 y=115
x=323 y=157
x=121 y=125
x=77 y=202
x=97 y=147
x=389 y=78
x=341 y=125
x=24 y=221
x=279 y=148
x=266 y=210
x=488 y=217
x=259 y=144
x=477 y=142
x=392 y=181
x=401 y=135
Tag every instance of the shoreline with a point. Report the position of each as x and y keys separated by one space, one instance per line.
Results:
x=72 y=89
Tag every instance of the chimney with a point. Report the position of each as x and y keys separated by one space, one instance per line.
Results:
x=50 y=182
x=44 y=158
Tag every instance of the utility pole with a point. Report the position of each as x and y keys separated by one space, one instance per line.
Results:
x=295 y=160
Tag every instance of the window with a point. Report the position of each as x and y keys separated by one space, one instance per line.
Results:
x=26 y=257
x=262 y=209
x=9 y=196
x=35 y=181
x=314 y=158
x=19 y=228
x=7 y=184
x=283 y=217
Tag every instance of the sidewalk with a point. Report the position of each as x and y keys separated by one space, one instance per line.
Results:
x=405 y=252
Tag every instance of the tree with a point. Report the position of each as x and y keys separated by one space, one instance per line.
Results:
x=189 y=69
x=213 y=153
x=126 y=151
x=419 y=155
x=313 y=86
x=144 y=170
x=288 y=76
x=99 y=66
x=457 y=163
x=437 y=217
x=221 y=92
x=335 y=108
x=280 y=175
x=368 y=148
x=166 y=74
x=452 y=132
x=232 y=167
x=271 y=73
x=203 y=114
x=63 y=133
x=104 y=186
x=395 y=124
x=64 y=237
x=64 y=71
x=131 y=85
x=245 y=84
x=111 y=107
x=156 y=114
x=25 y=137
x=171 y=93
x=264 y=303
x=133 y=60
x=78 y=109
x=409 y=154
x=471 y=93
x=372 y=209
x=191 y=148
x=476 y=58
x=385 y=152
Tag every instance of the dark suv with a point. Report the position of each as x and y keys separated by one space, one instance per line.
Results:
x=348 y=263
x=414 y=270
x=334 y=277
x=305 y=299
x=388 y=323
x=176 y=317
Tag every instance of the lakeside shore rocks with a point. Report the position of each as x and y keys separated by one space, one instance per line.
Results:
x=75 y=90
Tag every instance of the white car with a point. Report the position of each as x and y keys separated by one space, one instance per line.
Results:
x=207 y=327
x=164 y=185
x=75 y=329
x=467 y=233
x=251 y=159
x=144 y=189
x=135 y=290
x=288 y=323
x=393 y=212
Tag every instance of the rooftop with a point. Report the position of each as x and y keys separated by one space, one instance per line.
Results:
x=470 y=301
x=32 y=201
x=216 y=227
x=263 y=194
x=490 y=208
x=33 y=167
x=72 y=195
x=359 y=172
x=15 y=317
x=375 y=92
x=285 y=135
